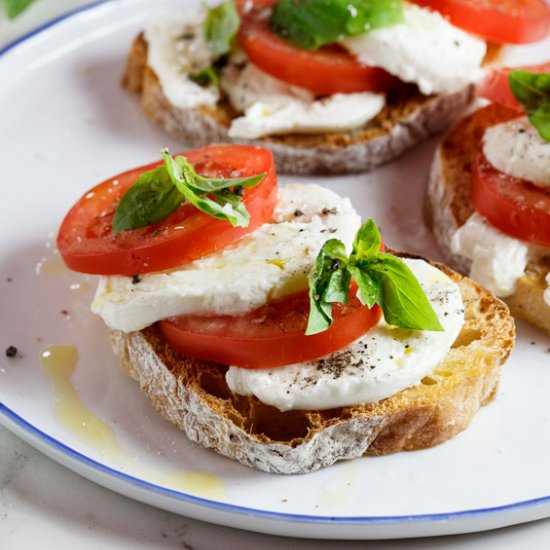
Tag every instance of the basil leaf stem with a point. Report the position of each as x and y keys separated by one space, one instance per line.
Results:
x=381 y=278
x=532 y=90
x=310 y=24
x=159 y=192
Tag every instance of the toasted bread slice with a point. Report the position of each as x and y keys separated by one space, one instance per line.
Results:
x=404 y=122
x=448 y=206
x=194 y=396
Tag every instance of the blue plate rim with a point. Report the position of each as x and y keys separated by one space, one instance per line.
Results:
x=91 y=464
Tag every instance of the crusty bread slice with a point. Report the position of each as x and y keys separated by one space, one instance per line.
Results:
x=194 y=396
x=448 y=206
x=404 y=122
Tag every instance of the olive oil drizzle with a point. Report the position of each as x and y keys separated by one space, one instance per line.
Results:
x=58 y=363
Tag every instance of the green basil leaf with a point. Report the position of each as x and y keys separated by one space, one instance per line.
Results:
x=382 y=278
x=159 y=192
x=203 y=184
x=237 y=214
x=206 y=184
x=374 y=14
x=15 y=7
x=310 y=24
x=220 y=28
x=328 y=282
x=540 y=119
x=367 y=240
x=401 y=297
x=150 y=199
x=209 y=75
x=368 y=283
x=222 y=207
x=532 y=90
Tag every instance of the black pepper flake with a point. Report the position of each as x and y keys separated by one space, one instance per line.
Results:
x=532 y=343
x=9 y=279
x=65 y=312
x=136 y=279
x=298 y=212
x=11 y=351
x=521 y=130
x=327 y=211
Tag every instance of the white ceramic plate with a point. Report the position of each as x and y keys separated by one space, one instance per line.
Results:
x=65 y=125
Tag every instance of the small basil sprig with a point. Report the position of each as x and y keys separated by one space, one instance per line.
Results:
x=159 y=192
x=219 y=30
x=382 y=279
x=310 y=24
x=532 y=90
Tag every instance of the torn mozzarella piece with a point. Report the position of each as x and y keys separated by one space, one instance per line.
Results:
x=498 y=260
x=175 y=49
x=516 y=148
x=426 y=49
x=272 y=107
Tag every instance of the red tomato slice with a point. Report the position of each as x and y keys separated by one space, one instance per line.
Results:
x=328 y=70
x=87 y=243
x=496 y=88
x=501 y=21
x=516 y=207
x=270 y=336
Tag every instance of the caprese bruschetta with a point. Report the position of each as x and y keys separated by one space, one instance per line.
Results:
x=270 y=324
x=488 y=200
x=330 y=86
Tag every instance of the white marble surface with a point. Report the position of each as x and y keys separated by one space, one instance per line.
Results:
x=44 y=505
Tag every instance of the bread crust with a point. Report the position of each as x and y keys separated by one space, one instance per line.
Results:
x=447 y=207
x=194 y=396
x=403 y=123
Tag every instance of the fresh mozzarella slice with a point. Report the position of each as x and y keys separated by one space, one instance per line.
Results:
x=498 y=260
x=268 y=263
x=176 y=49
x=426 y=49
x=247 y=85
x=383 y=362
x=516 y=148
x=271 y=106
